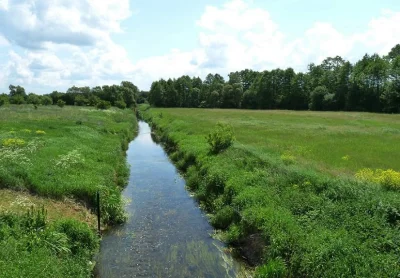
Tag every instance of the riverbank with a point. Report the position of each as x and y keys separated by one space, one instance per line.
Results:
x=166 y=234
x=52 y=162
x=280 y=210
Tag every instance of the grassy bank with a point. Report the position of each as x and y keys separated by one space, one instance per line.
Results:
x=286 y=194
x=57 y=159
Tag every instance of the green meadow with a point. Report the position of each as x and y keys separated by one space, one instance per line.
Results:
x=52 y=162
x=299 y=194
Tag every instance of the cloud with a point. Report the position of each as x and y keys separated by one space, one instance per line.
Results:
x=69 y=42
x=64 y=42
x=31 y=24
x=382 y=34
x=3 y=41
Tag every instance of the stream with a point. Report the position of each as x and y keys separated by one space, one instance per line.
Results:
x=166 y=234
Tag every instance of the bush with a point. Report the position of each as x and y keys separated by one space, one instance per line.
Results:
x=120 y=104
x=61 y=103
x=103 y=105
x=17 y=99
x=220 y=138
x=3 y=99
x=46 y=100
x=223 y=218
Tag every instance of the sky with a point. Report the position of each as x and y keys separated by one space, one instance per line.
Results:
x=48 y=45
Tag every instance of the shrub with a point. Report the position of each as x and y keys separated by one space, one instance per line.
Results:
x=17 y=99
x=220 y=138
x=61 y=103
x=3 y=99
x=120 y=104
x=223 y=218
x=103 y=105
x=46 y=100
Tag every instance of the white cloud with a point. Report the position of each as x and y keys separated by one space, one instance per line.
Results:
x=65 y=42
x=382 y=34
x=68 y=42
x=31 y=24
x=3 y=41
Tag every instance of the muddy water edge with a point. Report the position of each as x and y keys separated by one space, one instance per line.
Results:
x=166 y=234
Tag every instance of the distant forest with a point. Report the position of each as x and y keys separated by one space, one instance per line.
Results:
x=371 y=84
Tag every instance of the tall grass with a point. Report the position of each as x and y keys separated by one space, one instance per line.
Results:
x=58 y=152
x=301 y=216
x=32 y=247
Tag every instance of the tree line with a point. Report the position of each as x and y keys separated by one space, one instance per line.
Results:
x=124 y=95
x=372 y=84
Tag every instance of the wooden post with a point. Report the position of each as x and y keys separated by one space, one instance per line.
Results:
x=98 y=213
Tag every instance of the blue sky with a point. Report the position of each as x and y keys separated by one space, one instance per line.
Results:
x=52 y=45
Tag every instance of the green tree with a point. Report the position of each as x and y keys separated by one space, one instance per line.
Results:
x=394 y=52
x=249 y=100
x=120 y=104
x=60 y=103
x=156 y=94
x=130 y=93
x=80 y=100
x=17 y=99
x=33 y=99
x=46 y=100
x=391 y=96
x=17 y=91
x=3 y=99
x=370 y=75
x=318 y=98
x=232 y=95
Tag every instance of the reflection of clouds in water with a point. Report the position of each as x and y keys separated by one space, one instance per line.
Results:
x=144 y=128
x=144 y=139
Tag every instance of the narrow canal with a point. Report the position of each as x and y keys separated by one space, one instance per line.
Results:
x=166 y=235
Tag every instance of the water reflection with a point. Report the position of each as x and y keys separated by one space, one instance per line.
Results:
x=166 y=234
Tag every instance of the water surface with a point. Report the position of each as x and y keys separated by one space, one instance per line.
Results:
x=166 y=235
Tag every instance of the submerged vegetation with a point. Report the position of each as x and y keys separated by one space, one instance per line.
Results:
x=291 y=193
x=56 y=153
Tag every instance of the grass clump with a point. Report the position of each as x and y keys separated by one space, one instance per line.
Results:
x=275 y=268
x=220 y=138
x=30 y=246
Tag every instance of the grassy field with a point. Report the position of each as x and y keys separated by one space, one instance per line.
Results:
x=334 y=142
x=287 y=193
x=57 y=159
